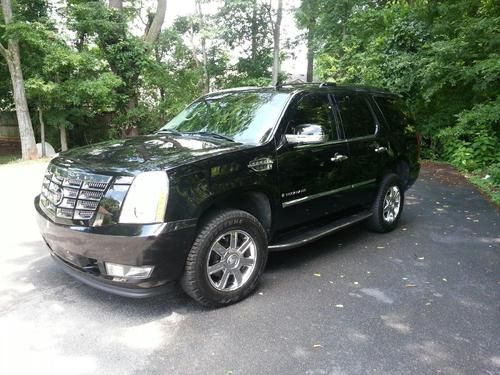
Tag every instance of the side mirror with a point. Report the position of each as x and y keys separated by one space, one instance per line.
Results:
x=307 y=134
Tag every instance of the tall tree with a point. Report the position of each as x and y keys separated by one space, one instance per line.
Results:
x=276 y=27
x=244 y=26
x=12 y=55
x=306 y=16
x=153 y=30
x=206 y=77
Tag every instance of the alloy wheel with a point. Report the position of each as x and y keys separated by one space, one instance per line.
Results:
x=231 y=260
x=392 y=204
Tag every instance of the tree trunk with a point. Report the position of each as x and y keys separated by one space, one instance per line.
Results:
x=206 y=77
x=64 y=138
x=276 y=38
x=116 y=4
x=310 y=50
x=42 y=131
x=155 y=28
x=12 y=56
x=254 y=30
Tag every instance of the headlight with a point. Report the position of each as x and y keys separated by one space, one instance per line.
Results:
x=146 y=200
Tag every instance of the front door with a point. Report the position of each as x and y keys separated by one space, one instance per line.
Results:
x=312 y=177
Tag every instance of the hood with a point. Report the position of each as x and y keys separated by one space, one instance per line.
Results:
x=146 y=153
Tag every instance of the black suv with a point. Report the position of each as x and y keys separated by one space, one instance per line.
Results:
x=237 y=173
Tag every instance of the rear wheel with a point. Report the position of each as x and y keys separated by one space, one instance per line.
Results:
x=226 y=259
x=388 y=205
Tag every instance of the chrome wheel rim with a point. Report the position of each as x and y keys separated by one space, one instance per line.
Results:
x=392 y=204
x=231 y=260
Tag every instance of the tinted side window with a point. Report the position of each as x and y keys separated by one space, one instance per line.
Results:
x=311 y=109
x=356 y=116
x=392 y=110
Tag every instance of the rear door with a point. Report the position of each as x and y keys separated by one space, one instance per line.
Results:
x=368 y=147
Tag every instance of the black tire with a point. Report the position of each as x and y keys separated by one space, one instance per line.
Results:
x=195 y=280
x=377 y=222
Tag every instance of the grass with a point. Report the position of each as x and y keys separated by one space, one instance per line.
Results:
x=487 y=186
x=13 y=160
x=6 y=159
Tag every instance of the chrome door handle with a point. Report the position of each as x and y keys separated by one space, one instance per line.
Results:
x=339 y=157
x=380 y=149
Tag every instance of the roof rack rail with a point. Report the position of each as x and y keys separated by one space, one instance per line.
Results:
x=295 y=83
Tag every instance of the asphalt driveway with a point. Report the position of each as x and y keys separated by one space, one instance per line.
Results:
x=424 y=299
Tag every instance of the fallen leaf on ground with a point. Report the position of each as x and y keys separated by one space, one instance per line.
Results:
x=317 y=274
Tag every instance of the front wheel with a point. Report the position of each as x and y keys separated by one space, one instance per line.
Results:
x=226 y=259
x=388 y=205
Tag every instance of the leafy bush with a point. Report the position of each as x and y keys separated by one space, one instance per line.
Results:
x=473 y=142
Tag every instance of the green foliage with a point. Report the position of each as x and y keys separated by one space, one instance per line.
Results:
x=246 y=26
x=101 y=79
x=472 y=143
x=441 y=56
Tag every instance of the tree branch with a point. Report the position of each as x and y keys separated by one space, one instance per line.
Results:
x=270 y=14
x=4 y=52
x=155 y=28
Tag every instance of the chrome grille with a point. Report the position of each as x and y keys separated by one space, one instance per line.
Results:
x=72 y=195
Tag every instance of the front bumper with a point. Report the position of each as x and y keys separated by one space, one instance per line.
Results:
x=82 y=252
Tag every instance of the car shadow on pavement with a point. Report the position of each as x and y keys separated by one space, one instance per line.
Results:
x=37 y=274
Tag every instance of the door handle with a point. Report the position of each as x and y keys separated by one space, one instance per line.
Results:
x=338 y=158
x=380 y=149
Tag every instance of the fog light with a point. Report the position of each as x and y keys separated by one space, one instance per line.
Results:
x=121 y=270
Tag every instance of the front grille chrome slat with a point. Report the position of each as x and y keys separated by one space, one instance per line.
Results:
x=67 y=194
x=87 y=205
x=91 y=195
x=99 y=186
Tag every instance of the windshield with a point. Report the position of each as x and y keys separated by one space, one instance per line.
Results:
x=246 y=117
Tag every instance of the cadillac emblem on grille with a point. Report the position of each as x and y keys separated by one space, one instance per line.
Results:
x=72 y=195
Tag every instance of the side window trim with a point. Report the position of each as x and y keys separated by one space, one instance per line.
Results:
x=380 y=112
x=372 y=112
x=336 y=117
x=369 y=100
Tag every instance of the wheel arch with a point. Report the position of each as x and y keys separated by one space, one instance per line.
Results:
x=256 y=203
x=399 y=166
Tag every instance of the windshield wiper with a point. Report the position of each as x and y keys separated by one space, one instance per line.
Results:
x=169 y=131
x=212 y=134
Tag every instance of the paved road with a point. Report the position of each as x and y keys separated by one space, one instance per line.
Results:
x=424 y=299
